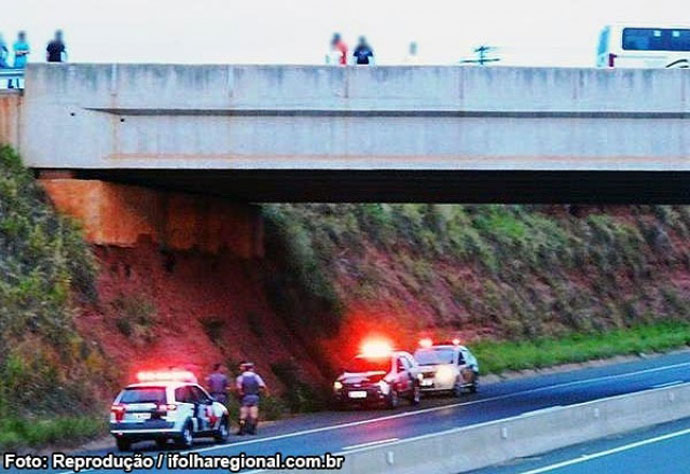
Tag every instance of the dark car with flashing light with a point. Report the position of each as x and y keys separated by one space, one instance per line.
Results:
x=378 y=379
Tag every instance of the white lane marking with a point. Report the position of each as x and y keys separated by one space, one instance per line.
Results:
x=429 y=410
x=601 y=454
x=372 y=443
x=669 y=384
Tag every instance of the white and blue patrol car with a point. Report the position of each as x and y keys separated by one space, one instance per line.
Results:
x=166 y=406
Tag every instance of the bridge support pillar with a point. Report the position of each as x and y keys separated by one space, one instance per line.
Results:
x=122 y=215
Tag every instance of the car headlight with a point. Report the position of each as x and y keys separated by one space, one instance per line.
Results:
x=337 y=385
x=445 y=375
x=384 y=387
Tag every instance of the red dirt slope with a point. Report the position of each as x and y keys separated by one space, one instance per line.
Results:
x=173 y=293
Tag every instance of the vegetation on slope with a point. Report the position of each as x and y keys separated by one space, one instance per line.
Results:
x=46 y=368
x=496 y=272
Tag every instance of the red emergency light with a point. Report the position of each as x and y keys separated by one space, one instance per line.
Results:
x=456 y=342
x=173 y=375
x=426 y=342
x=376 y=348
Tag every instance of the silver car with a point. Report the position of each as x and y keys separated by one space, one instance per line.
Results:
x=448 y=368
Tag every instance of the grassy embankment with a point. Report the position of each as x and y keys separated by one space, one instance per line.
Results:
x=49 y=375
x=531 y=286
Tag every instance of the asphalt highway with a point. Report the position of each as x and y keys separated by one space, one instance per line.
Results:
x=342 y=432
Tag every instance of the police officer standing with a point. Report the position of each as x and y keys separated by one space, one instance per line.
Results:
x=218 y=384
x=249 y=386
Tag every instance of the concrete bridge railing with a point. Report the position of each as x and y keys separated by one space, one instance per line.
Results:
x=306 y=117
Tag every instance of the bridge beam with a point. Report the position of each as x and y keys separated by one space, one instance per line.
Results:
x=424 y=130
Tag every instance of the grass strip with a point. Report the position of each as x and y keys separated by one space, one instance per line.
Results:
x=500 y=356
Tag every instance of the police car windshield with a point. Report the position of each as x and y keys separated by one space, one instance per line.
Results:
x=434 y=356
x=368 y=364
x=143 y=395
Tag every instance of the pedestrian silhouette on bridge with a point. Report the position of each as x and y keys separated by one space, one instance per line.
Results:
x=56 y=52
x=363 y=53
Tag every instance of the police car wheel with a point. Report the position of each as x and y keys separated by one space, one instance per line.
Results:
x=161 y=442
x=123 y=444
x=457 y=389
x=186 y=438
x=393 y=399
x=223 y=431
x=416 y=397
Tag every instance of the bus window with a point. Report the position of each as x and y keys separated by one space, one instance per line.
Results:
x=680 y=40
x=643 y=39
x=655 y=39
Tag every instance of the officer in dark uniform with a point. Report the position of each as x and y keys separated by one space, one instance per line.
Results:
x=250 y=386
x=217 y=383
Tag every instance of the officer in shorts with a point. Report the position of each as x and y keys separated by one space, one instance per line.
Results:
x=250 y=386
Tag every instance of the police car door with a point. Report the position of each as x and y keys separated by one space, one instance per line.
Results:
x=203 y=408
x=465 y=365
x=404 y=374
x=186 y=404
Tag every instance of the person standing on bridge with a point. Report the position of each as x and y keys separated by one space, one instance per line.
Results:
x=250 y=386
x=337 y=54
x=4 y=53
x=363 y=53
x=21 y=53
x=56 y=52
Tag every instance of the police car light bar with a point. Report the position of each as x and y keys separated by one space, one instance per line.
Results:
x=456 y=342
x=376 y=348
x=426 y=342
x=174 y=375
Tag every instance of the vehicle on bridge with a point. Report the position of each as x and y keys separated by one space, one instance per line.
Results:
x=378 y=376
x=166 y=405
x=633 y=46
x=450 y=368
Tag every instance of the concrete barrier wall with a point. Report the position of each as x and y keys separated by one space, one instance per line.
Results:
x=307 y=117
x=478 y=446
x=10 y=117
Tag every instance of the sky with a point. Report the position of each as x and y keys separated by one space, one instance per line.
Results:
x=526 y=32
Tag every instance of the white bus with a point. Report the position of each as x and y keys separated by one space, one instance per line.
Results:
x=644 y=47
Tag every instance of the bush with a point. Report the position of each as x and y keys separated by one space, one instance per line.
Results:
x=299 y=396
x=45 y=264
x=63 y=431
x=213 y=328
x=135 y=316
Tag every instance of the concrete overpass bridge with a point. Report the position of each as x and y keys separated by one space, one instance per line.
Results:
x=330 y=134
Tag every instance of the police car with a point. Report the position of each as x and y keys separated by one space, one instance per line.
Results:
x=447 y=367
x=163 y=406
x=378 y=376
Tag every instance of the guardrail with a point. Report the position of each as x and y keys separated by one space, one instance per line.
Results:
x=11 y=74
x=486 y=444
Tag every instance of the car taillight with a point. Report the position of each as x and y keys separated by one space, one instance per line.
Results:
x=118 y=411
x=612 y=60
x=167 y=408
